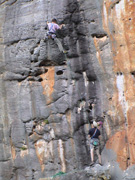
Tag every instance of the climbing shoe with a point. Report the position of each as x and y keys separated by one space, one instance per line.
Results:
x=100 y=164
x=92 y=163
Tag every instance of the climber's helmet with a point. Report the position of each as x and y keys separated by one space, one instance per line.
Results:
x=95 y=124
x=54 y=20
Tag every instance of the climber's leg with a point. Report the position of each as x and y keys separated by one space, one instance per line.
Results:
x=47 y=36
x=58 y=42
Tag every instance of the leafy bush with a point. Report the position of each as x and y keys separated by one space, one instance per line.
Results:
x=46 y=121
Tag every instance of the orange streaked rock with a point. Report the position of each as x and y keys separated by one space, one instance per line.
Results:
x=121 y=16
x=48 y=84
x=68 y=115
x=119 y=145
x=13 y=152
x=44 y=151
x=40 y=148
x=131 y=141
x=131 y=116
x=24 y=153
x=96 y=41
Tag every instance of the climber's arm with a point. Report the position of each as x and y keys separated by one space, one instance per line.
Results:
x=62 y=25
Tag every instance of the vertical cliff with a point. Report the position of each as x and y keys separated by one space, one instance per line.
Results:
x=118 y=22
x=47 y=96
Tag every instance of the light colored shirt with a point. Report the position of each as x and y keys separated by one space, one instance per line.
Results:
x=53 y=27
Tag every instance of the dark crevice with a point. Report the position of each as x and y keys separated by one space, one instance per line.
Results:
x=38 y=71
x=92 y=21
x=39 y=79
x=33 y=75
x=90 y=106
x=12 y=2
x=47 y=63
x=60 y=72
x=46 y=70
x=12 y=42
x=19 y=80
x=99 y=35
x=33 y=171
x=133 y=73
x=3 y=2
x=113 y=5
x=119 y=73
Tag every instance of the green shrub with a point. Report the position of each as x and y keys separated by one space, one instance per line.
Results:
x=46 y=121
x=58 y=174
x=23 y=148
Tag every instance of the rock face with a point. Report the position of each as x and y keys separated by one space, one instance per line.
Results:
x=94 y=173
x=48 y=98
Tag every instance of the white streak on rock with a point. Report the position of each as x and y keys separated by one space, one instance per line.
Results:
x=105 y=13
x=86 y=82
x=52 y=133
x=61 y=154
x=120 y=8
x=120 y=85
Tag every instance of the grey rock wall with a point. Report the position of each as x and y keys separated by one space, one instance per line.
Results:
x=46 y=96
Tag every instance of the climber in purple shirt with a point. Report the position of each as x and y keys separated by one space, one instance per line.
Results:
x=52 y=29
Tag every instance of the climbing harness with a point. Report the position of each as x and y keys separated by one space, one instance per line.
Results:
x=51 y=30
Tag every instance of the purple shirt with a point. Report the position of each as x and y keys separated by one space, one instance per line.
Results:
x=53 y=27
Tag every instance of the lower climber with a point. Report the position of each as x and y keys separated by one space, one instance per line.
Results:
x=94 y=134
x=52 y=29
